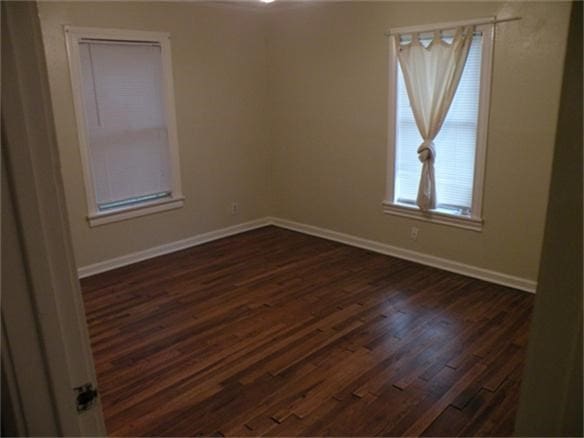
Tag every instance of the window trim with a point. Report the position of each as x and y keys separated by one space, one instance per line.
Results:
x=73 y=35
x=475 y=220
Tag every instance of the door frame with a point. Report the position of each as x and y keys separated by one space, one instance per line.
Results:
x=35 y=185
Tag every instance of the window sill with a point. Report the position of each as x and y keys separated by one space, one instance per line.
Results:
x=468 y=223
x=121 y=214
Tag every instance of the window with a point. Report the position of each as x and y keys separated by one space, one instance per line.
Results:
x=460 y=144
x=122 y=86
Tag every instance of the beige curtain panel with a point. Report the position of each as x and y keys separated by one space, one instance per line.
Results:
x=432 y=75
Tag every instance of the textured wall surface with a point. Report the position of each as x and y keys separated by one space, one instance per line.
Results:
x=551 y=392
x=285 y=111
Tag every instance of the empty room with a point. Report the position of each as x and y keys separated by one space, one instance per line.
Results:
x=291 y=218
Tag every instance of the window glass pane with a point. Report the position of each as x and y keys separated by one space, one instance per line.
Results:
x=455 y=144
x=126 y=123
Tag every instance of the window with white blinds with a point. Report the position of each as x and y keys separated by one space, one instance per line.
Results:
x=460 y=148
x=127 y=134
x=127 y=140
x=455 y=144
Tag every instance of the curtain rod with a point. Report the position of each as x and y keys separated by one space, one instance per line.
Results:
x=444 y=26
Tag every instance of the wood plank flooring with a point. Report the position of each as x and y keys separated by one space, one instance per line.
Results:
x=273 y=332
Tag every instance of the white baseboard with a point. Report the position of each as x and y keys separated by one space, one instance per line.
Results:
x=383 y=248
x=418 y=257
x=167 y=248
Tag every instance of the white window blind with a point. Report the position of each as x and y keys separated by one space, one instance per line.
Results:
x=125 y=122
x=455 y=144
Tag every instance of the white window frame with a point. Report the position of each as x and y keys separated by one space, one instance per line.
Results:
x=475 y=220
x=73 y=36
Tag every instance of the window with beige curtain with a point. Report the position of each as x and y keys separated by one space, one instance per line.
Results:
x=454 y=146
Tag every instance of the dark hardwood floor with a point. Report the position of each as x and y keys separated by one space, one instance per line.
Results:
x=273 y=332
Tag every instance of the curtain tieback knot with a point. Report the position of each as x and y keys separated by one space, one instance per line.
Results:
x=426 y=151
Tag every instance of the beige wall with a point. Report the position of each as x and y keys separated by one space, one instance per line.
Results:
x=328 y=70
x=219 y=63
x=286 y=112
x=551 y=389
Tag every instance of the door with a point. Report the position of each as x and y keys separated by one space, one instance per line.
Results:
x=47 y=361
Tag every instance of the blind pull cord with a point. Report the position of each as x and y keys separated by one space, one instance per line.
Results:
x=97 y=111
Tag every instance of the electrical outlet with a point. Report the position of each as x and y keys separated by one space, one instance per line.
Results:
x=414 y=233
x=234 y=208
